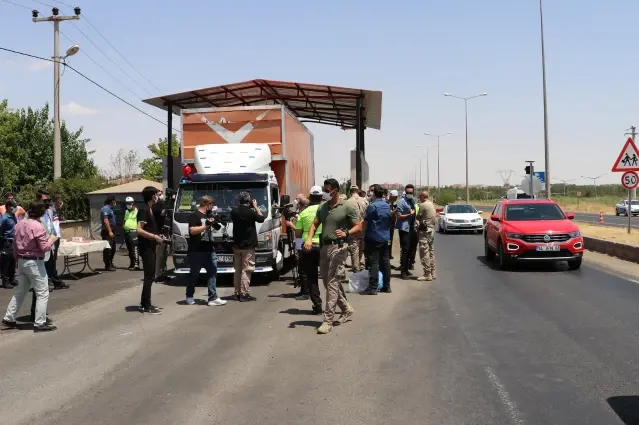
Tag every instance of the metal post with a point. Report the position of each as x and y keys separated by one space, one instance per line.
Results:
x=438 y=186
x=57 y=148
x=629 y=208
x=56 y=19
x=358 y=158
x=633 y=193
x=420 y=170
x=532 y=171
x=427 y=170
x=466 y=118
x=543 y=71
x=169 y=140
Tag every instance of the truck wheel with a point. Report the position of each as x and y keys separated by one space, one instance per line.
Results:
x=488 y=253
x=574 y=264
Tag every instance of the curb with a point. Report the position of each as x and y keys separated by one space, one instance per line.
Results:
x=619 y=250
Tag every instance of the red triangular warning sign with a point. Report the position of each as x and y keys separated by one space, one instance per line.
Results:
x=628 y=159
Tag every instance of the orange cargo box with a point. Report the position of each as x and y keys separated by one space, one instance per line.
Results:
x=291 y=143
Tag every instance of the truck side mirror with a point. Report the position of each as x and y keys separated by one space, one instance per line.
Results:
x=285 y=200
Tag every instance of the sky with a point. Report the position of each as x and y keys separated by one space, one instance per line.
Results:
x=413 y=51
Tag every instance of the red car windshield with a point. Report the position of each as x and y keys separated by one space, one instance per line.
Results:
x=536 y=211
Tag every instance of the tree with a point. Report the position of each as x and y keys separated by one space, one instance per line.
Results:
x=152 y=167
x=26 y=148
x=124 y=165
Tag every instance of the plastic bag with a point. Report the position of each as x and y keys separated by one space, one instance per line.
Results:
x=358 y=282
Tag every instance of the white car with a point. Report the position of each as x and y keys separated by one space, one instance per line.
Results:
x=460 y=218
x=622 y=207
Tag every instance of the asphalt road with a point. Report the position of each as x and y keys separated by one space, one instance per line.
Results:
x=478 y=346
x=609 y=219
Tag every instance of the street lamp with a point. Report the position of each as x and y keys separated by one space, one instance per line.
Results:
x=594 y=181
x=427 y=167
x=545 y=97
x=564 y=182
x=438 y=136
x=466 y=99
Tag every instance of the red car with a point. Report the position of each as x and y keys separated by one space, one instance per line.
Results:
x=532 y=230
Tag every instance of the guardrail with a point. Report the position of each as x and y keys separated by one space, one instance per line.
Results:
x=614 y=249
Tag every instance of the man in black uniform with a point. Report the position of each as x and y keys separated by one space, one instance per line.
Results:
x=148 y=240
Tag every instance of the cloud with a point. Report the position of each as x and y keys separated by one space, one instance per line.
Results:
x=9 y=62
x=73 y=108
x=39 y=65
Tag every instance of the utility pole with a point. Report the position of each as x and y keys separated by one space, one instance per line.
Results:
x=633 y=133
x=56 y=19
x=545 y=98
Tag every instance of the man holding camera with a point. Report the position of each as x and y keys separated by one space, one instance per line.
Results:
x=201 y=252
x=339 y=223
x=244 y=243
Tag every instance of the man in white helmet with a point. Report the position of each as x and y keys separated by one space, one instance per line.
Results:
x=130 y=233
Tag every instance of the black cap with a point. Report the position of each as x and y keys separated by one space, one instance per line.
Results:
x=11 y=204
x=109 y=199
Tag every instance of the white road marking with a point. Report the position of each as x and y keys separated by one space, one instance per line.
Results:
x=510 y=405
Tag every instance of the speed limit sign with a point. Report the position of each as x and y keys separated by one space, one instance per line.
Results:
x=629 y=180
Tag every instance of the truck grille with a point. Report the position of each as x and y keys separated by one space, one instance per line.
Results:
x=540 y=238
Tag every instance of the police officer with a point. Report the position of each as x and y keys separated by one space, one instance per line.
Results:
x=339 y=223
x=426 y=220
x=310 y=260
x=130 y=227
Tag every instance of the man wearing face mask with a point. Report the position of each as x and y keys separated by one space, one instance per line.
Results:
x=201 y=254
x=339 y=223
x=107 y=220
x=130 y=227
x=148 y=239
x=8 y=223
x=405 y=224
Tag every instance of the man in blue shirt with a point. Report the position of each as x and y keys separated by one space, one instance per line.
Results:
x=107 y=220
x=8 y=222
x=405 y=225
x=376 y=229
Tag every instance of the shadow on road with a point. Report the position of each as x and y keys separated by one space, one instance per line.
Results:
x=298 y=312
x=308 y=323
x=526 y=267
x=626 y=407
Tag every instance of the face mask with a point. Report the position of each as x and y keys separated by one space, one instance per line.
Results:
x=409 y=196
x=326 y=196
x=129 y=207
x=161 y=197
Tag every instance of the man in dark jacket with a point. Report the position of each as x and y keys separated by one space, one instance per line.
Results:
x=244 y=243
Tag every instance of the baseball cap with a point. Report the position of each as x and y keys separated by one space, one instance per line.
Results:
x=354 y=187
x=129 y=199
x=11 y=204
x=316 y=190
x=393 y=193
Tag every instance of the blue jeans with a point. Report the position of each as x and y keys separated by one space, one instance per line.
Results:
x=208 y=262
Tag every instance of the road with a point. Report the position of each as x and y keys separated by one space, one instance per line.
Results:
x=478 y=346
x=609 y=219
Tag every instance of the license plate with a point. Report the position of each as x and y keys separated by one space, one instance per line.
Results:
x=466 y=225
x=548 y=248
x=224 y=258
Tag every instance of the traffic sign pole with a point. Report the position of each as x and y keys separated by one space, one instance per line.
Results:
x=629 y=180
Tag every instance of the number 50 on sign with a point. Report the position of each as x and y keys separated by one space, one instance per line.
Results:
x=629 y=180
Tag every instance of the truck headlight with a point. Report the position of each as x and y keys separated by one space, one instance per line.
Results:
x=264 y=242
x=180 y=246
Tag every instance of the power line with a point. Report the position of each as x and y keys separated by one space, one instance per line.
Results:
x=16 y=4
x=98 y=47
x=101 y=67
x=90 y=80
x=110 y=44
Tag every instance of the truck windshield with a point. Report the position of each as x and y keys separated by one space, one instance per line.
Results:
x=530 y=212
x=224 y=194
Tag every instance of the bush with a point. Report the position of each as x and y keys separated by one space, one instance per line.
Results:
x=446 y=198
x=74 y=195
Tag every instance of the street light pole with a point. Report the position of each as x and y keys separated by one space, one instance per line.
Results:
x=438 y=137
x=56 y=19
x=564 y=182
x=466 y=99
x=543 y=72
x=594 y=181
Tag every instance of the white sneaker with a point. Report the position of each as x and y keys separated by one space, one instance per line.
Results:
x=190 y=301
x=218 y=301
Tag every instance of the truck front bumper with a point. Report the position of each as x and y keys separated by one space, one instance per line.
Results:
x=263 y=263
